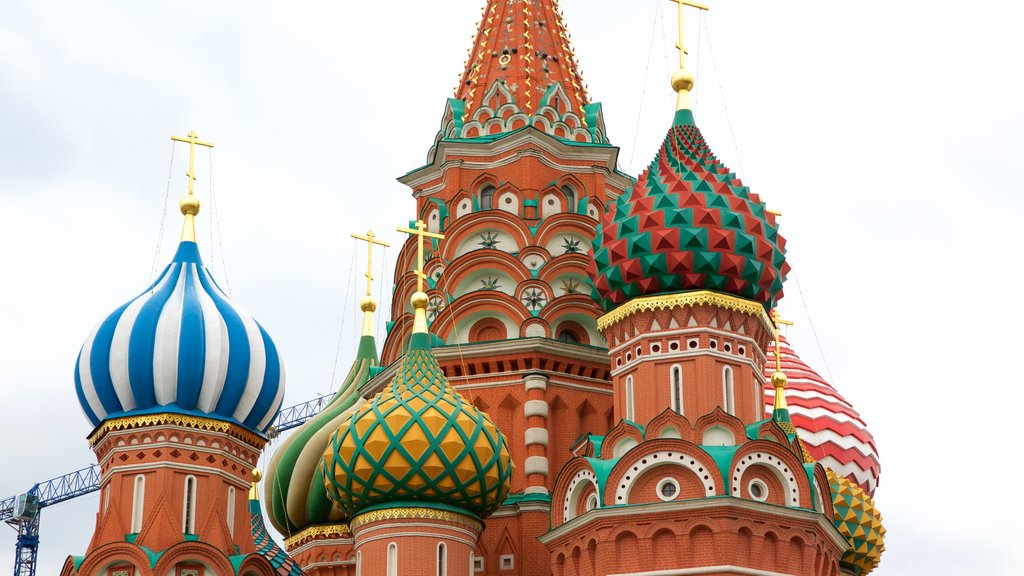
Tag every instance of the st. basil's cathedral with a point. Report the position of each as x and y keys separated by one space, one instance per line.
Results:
x=583 y=374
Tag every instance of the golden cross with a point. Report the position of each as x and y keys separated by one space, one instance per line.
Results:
x=421 y=233
x=192 y=140
x=778 y=351
x=370 y=240
x=682 y=28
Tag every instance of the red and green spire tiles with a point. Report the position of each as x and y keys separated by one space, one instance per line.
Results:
x=688 y=224
x=526 y=46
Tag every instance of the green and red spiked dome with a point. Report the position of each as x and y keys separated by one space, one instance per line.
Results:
x=688 y=224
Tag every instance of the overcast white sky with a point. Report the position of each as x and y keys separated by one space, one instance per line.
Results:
x=888 y=133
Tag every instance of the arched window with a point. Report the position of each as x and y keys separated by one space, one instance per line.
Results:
x=106 y=498
x=138 y=502
x=231 y=510
x=570 y=199
x=629 y=397
x=442 y=559
x=392 y=565
x=188 y=513
x=569 y=336
x=676 y=388
x=488 y=330
x=487 y=197
x=728 y=391
x=571 y=332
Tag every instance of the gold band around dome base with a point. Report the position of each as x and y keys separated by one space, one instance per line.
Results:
x=415 y=514
x=317 y=533
x=199 y=423
x=683 y=300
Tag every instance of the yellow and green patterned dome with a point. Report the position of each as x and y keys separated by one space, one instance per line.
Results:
x=418 y=441
x=859 y=522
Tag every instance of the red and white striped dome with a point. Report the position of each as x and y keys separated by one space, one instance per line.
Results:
x=831 y=430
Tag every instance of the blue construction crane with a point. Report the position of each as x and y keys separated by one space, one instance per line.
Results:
x=22 y=512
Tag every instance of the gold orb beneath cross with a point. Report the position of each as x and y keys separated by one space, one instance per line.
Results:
x=682 y=80
x=419 y=300
x=368 y=304
x=779 y=380
x=189 y=205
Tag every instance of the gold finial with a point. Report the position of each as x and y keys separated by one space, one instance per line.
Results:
x=368 y=305
x=254 y=494
x=682 y=79
x=779 y=378
x=189 y=205
x=419 y=299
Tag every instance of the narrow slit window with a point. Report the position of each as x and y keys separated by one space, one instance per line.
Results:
x=570 y=199
x=392 y=566
x=487 y=198
x=729 y=390
x=677 y=389
x=188 y=521
x=138 y=503
x=629 y=398
x=231 y=510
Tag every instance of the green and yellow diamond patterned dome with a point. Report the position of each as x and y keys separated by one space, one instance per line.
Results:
x=418 y=441
x=859 y=522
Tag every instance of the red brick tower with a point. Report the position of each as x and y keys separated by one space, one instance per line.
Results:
x=517 y=179
x=687 y=265
x=181 y=387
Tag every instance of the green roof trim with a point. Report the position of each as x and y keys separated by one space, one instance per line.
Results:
x=592 y=113
x=154 y=557
x=723 y=456
x=236 y=561
x=521 y=497
x=602 y=468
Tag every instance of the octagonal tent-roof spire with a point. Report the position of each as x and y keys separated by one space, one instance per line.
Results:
x=523 y=43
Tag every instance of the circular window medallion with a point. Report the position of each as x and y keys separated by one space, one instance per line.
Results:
x=668 y=489
x=758 y=490
x=591 y=502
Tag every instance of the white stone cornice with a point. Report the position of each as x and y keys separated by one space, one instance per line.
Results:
x=452 y=153
x=701 y=504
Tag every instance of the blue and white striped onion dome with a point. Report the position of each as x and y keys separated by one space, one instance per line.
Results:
x=181 y=347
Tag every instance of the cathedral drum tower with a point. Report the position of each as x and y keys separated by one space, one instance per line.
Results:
x=517 y=179
x=181 y=386
x=689 y=266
